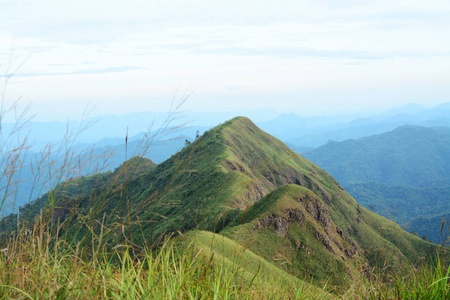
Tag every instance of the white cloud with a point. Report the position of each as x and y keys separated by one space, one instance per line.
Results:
x=262 y=47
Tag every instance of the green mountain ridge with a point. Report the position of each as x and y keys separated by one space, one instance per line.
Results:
x=241 y=182
x=408 y=155
x=403 y=174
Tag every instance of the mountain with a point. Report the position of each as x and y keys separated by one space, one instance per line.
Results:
x=410 y=108
x=405 y=172
x=113 y=128
x=286 y=126
x=301 y=133
x=100 y=137
x=62 y=161
x=408 y=155
x=251 y=189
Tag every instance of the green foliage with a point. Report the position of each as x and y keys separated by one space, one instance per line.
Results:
x=402 y=174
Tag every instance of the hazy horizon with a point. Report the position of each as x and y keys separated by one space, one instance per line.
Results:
x=210 y=118
x=309 y=58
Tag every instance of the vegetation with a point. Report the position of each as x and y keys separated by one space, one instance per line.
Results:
x=402 y=175
x=202 y=265
x=38 y=265
x=417 y=209
x=235 y=214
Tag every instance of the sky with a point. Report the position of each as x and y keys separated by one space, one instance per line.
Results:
x=307 y=57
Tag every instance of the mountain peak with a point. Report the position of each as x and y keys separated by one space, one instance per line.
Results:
x=299 y=209
x=239 y=121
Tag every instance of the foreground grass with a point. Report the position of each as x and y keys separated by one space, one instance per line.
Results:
x=36 y=265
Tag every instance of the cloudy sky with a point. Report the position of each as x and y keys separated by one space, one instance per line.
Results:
x=308 y=57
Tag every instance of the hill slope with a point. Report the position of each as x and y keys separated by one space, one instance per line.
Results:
x=408 y=155
x=406 y=170
x=240 y=181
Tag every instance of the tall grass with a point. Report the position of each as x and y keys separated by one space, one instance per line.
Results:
x=430 y=280
x=38 y=265
x=40 y=259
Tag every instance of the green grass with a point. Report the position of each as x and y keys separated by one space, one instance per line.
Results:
x=38 y=265
x=200 y=265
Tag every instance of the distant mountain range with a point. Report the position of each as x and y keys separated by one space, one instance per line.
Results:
x=38 y=170
x=249 y=188
x=102 y=147
x=297 y=131
x=108 y=130
x=303 y=133
x=402 y=174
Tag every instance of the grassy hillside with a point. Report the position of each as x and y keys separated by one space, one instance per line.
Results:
x=292 y=228
x=230 y=255
x=239 y=181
